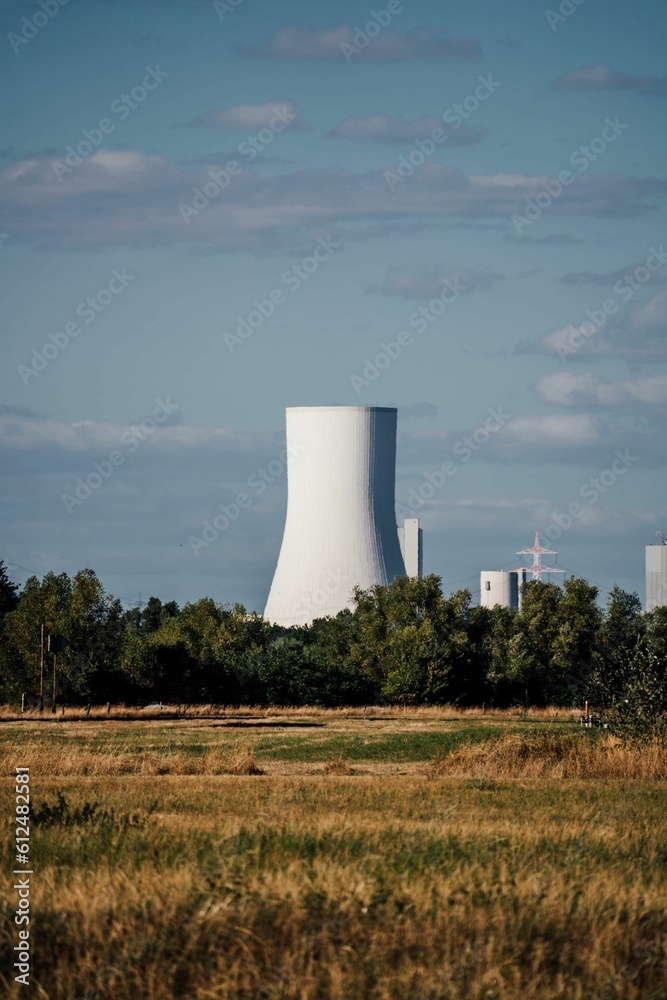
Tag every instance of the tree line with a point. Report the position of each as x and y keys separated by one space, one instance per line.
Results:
x=406 y=643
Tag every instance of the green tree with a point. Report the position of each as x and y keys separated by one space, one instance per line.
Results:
x=530 y=650
x=90 y=620
x=152 y=615
x=622 y=626
x=498 y=634
x=9 y=592
x=10 y=660
x=93 y=626
x=574 y=645
x=641 y=709
x=418 y=646
x=655 y=629
x=396 y=635
x=46 y=603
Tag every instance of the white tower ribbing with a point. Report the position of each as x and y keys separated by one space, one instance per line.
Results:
x=340 y=530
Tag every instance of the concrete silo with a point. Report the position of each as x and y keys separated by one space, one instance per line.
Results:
x=501 y=588
x=340 y=530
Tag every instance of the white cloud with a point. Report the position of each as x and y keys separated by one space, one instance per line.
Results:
x=638 y=336
x=253 y=116
x=561 y=430
x=569 y=389
x=90 y=437
x=651 y=316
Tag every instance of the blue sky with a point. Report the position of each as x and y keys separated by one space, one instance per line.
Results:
x=163 y=333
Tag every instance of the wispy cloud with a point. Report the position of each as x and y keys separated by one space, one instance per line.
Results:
x=551 y=239
x=604 y=278
x=297 y=42
x=252 y=116
x=394 y=129
x=502 y=503
x=417 y=411
x=428 y=280
x=128 y=197
x=587 y=390
x=89 y=437
x=638 y=336
x=606 y=78
x=534 y=440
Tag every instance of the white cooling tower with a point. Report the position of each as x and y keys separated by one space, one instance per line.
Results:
x=340 y=530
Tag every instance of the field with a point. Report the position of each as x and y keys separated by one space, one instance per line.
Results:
x=313 y=855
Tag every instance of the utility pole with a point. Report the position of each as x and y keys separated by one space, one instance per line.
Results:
x=41 y=671
x=55 y=645
x=55 y=660
x=537 y=569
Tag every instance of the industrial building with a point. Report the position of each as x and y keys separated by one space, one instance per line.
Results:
x=410 y=538
x=340 y=529
x=656 y=576
x=501 y=588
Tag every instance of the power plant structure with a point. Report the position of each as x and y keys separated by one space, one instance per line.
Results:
x=411 y=541
x=656 y=574
x=536 y=569
x=501 y=588
x=340 y=529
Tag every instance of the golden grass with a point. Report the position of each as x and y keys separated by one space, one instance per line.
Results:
x=338 y=765
x=10 y=713
x=554 y=755
x=311 y=889
x=491 y=873
x=44 y=761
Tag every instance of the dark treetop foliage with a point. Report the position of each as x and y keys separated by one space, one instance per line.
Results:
x=406 y=643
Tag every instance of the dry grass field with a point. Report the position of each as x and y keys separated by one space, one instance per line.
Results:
x=332 y=855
